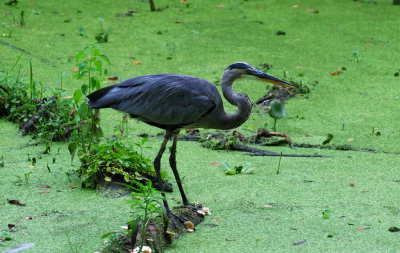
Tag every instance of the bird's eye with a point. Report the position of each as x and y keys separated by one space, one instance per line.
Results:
x=248 y=71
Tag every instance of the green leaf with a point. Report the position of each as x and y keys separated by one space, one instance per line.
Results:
x=230 y=172
x=238 y=169
x=84 y=89
x=277 y=110
x=72 y=146
x=77 y=95
x=108 y=179
x=79 y=56
x=328 y=139
x=94 y=83
x=105 y=58
x=98 y=65
x=83 y=110
x=226 y=165
x=326 y=214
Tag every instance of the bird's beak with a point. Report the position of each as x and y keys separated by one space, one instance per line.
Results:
x=271 y=79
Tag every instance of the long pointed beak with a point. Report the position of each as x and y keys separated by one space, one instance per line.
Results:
x=271 y=79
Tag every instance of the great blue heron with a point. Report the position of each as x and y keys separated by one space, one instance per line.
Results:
x=173 y=102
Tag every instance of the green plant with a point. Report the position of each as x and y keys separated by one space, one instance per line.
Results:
x=87 y=122
x=356 y=56
x=26 y=176
x=113 y=159
x=5 y=236
x=277 y=111
x=81 y=31
x=2 y=162
x=22 y=19
x=102 y=35
x=146 y=204
x=238 y=169
x=113 y=241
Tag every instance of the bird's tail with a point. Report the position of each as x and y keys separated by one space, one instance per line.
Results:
x=96 y=99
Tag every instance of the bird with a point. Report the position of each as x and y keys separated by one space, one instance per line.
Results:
x=173 y=102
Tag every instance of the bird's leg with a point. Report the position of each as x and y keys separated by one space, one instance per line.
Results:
x=157 y=168
x=172 y=162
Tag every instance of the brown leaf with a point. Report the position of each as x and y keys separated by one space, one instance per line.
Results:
x=360 y=228
x=28 y=218
x=351 y=185
x=178 y=22
x=221 y=6
x=75 y=69
x=260 y=8
x=72 y=186
x=218 y=219
x=115 y=78
x=10 y=226
x=137 y=63
x=44 y=192
x=15 y=202
x=334 y=73
x=296 y=6
x=350 y=139
x=43 y=186
x=216 y=164
x=299 y=243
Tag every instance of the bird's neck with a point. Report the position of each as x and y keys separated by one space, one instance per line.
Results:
x=242 y=101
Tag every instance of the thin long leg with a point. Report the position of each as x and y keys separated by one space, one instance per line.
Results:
x=157 y=168
x=172 y=162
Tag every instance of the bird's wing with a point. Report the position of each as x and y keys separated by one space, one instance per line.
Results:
x=165 y=99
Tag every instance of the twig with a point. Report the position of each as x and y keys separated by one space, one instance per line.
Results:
x=241 y=136
x=279 y=164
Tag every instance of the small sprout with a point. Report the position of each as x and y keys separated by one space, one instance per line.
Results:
x=356 y=55
x=279 y=164
x=277 y=111
x=238 y=169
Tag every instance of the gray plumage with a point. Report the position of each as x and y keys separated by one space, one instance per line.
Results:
x=172 y=102
x=166 y=100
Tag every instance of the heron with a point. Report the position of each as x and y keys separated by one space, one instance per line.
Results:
x=173 y=102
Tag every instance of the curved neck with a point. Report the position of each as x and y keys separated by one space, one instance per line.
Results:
x=242 y=101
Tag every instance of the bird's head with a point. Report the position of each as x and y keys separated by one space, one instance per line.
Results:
x=245 y=70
